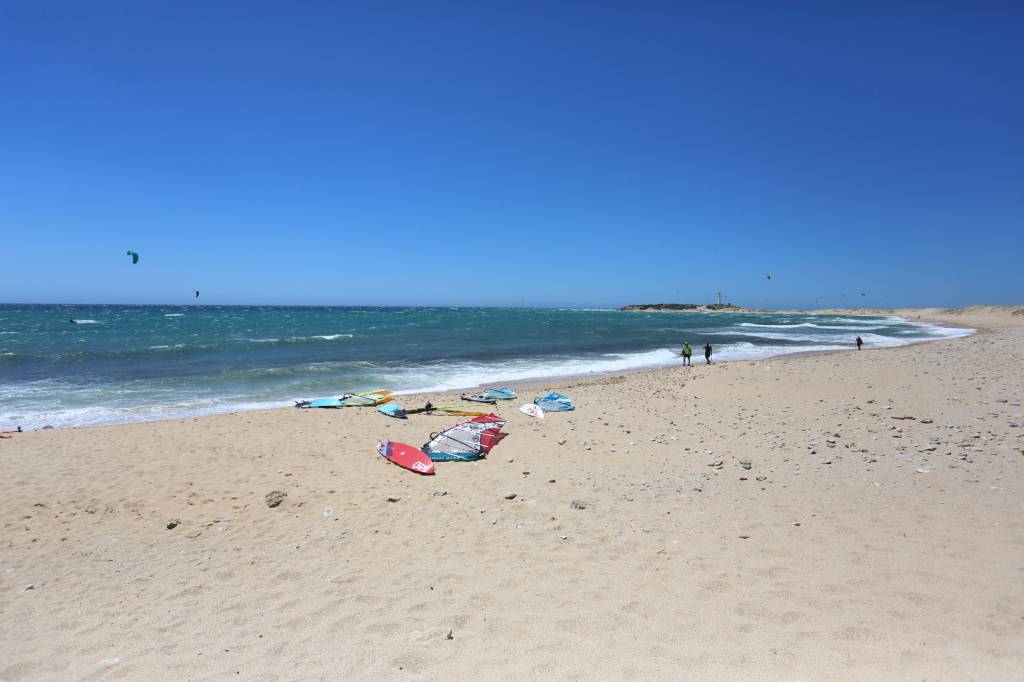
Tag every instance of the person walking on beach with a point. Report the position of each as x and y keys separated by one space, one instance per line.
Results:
x=707 y=353
x=687 y=352
x=860 y=342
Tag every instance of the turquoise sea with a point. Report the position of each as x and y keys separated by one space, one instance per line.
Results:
x=130 y=363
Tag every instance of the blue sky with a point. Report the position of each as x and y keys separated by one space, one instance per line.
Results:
x=512 y=153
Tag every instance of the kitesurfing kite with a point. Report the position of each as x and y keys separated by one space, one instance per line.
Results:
x=769 y=275
x=467 y=441
x=135 y=257
x=197 y=293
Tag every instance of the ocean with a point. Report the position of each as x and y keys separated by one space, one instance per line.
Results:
x=134 y=363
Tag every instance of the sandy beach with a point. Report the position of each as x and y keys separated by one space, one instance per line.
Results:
x=852 y=515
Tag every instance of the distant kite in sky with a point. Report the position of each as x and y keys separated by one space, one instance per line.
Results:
x=769 y=275
x=197 y=293
x=135 y=257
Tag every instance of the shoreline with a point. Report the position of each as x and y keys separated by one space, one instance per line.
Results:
x=841 y=515
x=549 y=382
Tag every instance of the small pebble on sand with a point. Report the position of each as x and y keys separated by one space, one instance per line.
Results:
x=275 y=497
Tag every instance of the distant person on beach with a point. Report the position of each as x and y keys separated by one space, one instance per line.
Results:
x=707 y=353
x=860 y=342
x=687 y=352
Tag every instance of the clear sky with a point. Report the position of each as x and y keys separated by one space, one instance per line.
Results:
x=507 y=153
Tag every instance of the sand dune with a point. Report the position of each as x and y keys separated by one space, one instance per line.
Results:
x=841 y=516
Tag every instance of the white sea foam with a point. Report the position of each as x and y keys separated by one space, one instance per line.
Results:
x=300 y=339
x=808 y=324
x=173 y=314
x=946 y=332
x=465 y=375
x=99 y=415
x=774 y=336
x=86 y=322
x=35 y=404
x=748 y=351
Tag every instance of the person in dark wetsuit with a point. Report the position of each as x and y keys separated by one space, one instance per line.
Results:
x=707 y=353
x=860 y=342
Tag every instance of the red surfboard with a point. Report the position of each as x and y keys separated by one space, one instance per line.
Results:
x=407 y=457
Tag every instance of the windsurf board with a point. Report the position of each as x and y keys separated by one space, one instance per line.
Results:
x=407 y=457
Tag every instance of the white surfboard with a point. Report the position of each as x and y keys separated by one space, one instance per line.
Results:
x=532 y=410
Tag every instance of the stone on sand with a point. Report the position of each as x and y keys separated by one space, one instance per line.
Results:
x=274 y=498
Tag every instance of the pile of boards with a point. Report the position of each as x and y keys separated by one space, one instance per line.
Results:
x=465 y=442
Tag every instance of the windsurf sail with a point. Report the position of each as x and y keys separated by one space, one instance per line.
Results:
x=554 y=402
x=479 y=398
x=368 y=399
x=532 y=410
x=392 y=409
x=447 y=410
x=467 y=441
x=319 y=402
x=491 y=395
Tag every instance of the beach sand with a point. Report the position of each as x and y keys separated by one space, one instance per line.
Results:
x=877 y=534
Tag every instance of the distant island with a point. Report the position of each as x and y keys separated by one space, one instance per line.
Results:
x=698 y=307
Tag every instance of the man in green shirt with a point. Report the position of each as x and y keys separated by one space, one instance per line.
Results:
x=687 y=352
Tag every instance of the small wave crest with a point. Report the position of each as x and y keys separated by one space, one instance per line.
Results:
x=100 y=415
x=459 y=375
x=301 y=339
x=808 y=324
